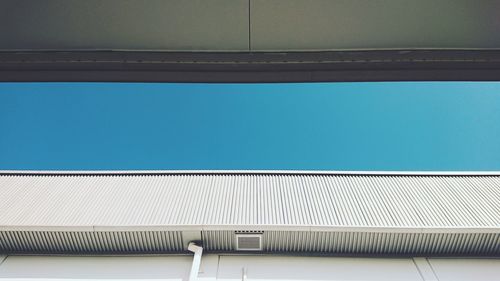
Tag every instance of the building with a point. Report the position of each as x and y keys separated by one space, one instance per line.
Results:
x=407 y=223
x=244 y=225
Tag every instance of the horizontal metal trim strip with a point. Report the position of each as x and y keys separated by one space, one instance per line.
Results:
x=252 y=67
x=263 y=57
x=250 y=77
x=242 y=172
x=235 y=227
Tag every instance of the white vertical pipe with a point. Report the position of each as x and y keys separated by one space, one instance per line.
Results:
x=195 y=266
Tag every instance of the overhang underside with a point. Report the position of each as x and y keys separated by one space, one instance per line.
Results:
x=249 y=40
x=248 y=25
x=322 y=213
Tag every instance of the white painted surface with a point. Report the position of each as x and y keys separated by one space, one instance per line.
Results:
x=466 y=269
x=59 y=267
x=316 y=268
x=425 y=269
x=261 y=268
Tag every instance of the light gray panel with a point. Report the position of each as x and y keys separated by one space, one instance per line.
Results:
x=466 y=269
x=315 y=268
x=124 y=24
x=363 y=24
x=164 y=268
x=215 y=267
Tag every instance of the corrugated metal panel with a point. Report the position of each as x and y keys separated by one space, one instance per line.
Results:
x=366 y=243
x=90 y=242
x=250 y=199
x=219 y=240
x=297 y=212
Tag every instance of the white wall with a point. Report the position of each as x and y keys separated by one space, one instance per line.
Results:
x=261 y=268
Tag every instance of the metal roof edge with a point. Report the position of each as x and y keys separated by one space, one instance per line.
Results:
x=350 y=65
x=242 y=172
x=259 y=227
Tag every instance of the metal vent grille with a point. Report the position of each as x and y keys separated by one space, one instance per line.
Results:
x=249 y=242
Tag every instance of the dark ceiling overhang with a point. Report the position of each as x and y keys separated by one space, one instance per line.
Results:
x=249 y=40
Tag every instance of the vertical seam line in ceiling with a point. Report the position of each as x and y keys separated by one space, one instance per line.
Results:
x=249 y=27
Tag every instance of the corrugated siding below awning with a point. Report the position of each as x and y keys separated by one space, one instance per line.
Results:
x=365 y=243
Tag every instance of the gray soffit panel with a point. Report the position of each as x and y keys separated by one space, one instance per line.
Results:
x=339 y=213
x=386 y=24
x=124 y=25
x=247 y=25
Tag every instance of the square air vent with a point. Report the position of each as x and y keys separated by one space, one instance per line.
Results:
x=248 y=242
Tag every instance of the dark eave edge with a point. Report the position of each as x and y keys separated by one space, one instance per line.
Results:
x=331 y=66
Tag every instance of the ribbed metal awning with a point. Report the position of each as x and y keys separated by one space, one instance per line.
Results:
x=295 y=211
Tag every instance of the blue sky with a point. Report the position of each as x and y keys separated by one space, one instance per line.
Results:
x=315 y=126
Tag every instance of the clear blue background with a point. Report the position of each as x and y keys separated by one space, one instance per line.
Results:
x=320 y=126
